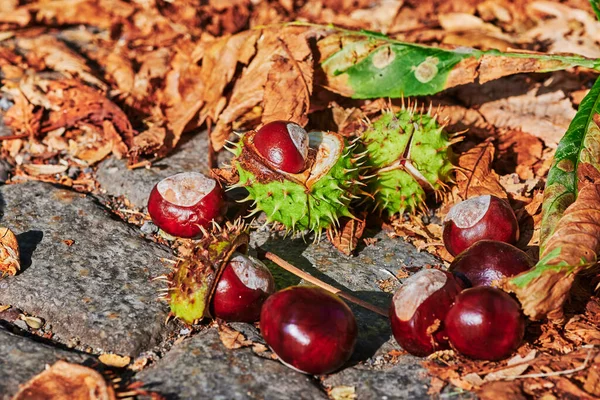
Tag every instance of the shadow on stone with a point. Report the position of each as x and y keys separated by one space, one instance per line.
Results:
x=156 y=386
x=373 y=329
x=2 y=206
x=28 y=242
x=292 y=253
x=15 y=330
x=368 y=234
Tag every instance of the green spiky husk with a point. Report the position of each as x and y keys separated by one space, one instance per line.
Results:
x=193 y=282
x=393 y=143
x=293 y=204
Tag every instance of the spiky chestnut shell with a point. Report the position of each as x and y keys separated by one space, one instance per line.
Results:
x=408 y=156
x=184 y=203
x=314 y=199
x=192 y=284
x=242 y=289
x=284 y=144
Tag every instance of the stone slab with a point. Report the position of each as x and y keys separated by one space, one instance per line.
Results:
x=367 y=372
x=22 y=358
x=96 y=290
x=190 y=155
x=202 y=368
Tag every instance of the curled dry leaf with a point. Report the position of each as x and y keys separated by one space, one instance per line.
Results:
x=345 y=237
x=9 y=252
x=573 y=247
x=65 y=381
x=231 y=338
x=475 y=176
x=44 y=169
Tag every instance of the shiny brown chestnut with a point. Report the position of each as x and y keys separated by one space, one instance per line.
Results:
x=479 y=218
x=184 y=203
x=490 y=260
x=284 y=145
x=310 y=329
x=485 y=323
x=418 y=310
x=242 y=289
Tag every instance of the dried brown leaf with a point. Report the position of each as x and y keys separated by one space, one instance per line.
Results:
x=44 y=169
x=231 y=338
x=49 y=52
x=518 y=151
x=517 y=366
x=9 y=253
x=66 y=381
x=219 y=63
x=573 y=246
x=544 y=115
x=249 y=89
x=289 y=83
x=475 y=175
x=502 y=390
x=346 y=237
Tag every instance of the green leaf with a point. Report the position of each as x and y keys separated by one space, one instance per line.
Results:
x=596 y=7
x=542 y=266
x=577 y=159
x=369 y=65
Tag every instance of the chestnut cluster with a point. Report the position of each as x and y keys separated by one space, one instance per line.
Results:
x=460 y=309
x=314 y=331
x=310 y=329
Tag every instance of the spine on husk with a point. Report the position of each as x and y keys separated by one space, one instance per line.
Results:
x=408 y=156
x=313 y=200
x=192 y=283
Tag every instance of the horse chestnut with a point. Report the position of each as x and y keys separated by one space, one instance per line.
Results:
x=284 y=145
x=418 y=309
x=485 y=323
x=184 y=203
x=242 y=289
x=488 y=261
x=310 y=329
x=479 y=218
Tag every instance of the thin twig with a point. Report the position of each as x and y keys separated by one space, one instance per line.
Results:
x=557 y=373
x=309 y=278
x=13 y=137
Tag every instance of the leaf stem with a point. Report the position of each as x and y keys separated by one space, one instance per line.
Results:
x=309 y=278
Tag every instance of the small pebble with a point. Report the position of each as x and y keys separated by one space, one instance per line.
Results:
x=5 y=103
x=21 y=324
x=88 y=170
x=184 y=331
x=149 y=228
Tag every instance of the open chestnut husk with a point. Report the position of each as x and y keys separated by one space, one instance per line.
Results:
x=418 y=310
x=489 y=261
x=479 y=218
x=310 y=329
x=485 y=323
